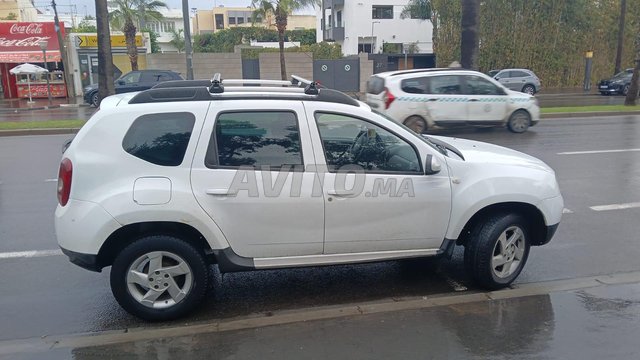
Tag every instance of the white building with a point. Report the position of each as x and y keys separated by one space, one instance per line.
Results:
x=69 y=20
x=172 y=22
x=362 y=25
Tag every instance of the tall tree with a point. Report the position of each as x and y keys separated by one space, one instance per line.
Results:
x=632 y=95
x=127 y=18
x=469 y=44
x=177 y=39
x=281 y=9
x=623 y=11
x=105 y=61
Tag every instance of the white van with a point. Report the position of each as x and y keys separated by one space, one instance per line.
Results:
x=426 y=98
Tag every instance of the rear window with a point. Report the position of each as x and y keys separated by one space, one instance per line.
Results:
x=160 y=139
x=375 y=85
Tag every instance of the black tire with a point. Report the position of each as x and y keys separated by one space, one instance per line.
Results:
x=529 y=89
x=199 y=273
x=482 y=247
x=625 y=91
x=519 y=121
x=95 y=99
x=416 y=123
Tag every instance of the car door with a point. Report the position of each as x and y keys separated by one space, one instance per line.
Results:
x=248 y=175
x=377 y=197
x=487 y=102
x=504 y=78
x=519 y=79
x=444 y=99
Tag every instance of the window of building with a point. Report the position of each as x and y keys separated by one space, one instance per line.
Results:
x=219 y=21
x=232 y=20
x=160 y=139
x=364 y=48
x=260 y=138
x=382 y=12
x=240 y=20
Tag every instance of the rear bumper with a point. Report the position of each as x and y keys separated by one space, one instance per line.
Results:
x=85 y=261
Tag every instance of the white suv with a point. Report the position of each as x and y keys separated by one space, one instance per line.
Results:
x=425 y=98
x=160 y=184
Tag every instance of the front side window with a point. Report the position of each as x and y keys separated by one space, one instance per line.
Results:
x=131 y=78
x=382 y=12
x=480 y=86
x=519 y=74
x=160 y=139
x=446 y=84
x=258 y=139
x=349 y=141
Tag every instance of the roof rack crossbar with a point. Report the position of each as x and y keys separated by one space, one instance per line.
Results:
x=257 y=82
x=291 y=90
x=216 y=84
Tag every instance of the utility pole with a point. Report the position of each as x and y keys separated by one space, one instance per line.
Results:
x=187 y=38
x=68 y=76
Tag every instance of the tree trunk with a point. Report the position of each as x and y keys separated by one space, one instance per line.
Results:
x=623 y=10
x=281 y=24
x=105 y=61
x=469 y=37
x=130 y=38
x=632 y=95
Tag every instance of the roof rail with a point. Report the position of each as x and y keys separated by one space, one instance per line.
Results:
x=404 y=72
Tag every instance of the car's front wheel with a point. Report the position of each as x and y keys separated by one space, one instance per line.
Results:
x=497 y=250
x=519 y=121
x=159 y=278
x=95 y=99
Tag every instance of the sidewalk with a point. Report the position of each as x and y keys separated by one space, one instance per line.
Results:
x=583 y=318
x=18 y=105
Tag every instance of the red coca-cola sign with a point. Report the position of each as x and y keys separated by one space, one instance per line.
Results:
x=20 y=41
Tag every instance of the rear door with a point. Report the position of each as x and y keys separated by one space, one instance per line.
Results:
x=129 y=82
x=445 y=100
x=519 y=80
x=248 y=174
x=487 y=102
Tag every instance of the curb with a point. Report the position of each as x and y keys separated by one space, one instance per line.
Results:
x=26 y=132
x=587 y=114
x=16 y=110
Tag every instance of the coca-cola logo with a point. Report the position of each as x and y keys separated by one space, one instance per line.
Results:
x=27 y=29
x=26 y=42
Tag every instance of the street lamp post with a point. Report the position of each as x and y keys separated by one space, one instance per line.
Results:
x=43 y=46
x=372 y=42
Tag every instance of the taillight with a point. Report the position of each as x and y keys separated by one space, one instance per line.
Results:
x=64 y=181
x=388 y=98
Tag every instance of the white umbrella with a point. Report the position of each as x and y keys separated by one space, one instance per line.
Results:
x=28 y=69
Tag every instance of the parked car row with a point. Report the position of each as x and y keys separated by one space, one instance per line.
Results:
x=130 y=82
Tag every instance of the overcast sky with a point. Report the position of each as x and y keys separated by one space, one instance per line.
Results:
x=88 y=6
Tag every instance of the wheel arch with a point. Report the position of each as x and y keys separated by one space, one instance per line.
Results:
x=125 y=235
x=535 y=219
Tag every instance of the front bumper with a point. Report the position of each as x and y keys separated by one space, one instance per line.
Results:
x=86 y=261
x=551 y=230
x=611 y=89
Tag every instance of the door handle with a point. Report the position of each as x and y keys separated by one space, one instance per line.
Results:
x=221 y=192
x=474 y=100
x=433 y=99
x=341 y=193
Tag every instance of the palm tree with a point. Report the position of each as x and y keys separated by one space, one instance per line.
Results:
x=423 y=10
x=127 y=18
x=177 y=39
x=105 y=61
x=281 y=10
x=469 y=37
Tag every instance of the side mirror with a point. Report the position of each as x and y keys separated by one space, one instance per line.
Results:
x=432 y=165
x=497 y=78
x=121 y=82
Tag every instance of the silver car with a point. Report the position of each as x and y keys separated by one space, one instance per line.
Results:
x=519 y=80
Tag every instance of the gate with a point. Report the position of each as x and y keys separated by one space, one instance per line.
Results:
x=250 y=69
x=343 y=75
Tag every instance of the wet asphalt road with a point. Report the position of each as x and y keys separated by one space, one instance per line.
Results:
x=48 y=295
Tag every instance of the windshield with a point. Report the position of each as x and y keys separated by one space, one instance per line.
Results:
x=622 y=74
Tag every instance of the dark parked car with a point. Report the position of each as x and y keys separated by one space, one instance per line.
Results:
x=618 y=84
x=133 y=81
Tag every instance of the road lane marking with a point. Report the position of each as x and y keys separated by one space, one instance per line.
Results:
x=567 y=211
x=51 y=180
x=284 y=317
x=29 y=254
x=597 y=151
x=616 y=206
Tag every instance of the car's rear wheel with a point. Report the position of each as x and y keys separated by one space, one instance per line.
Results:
x=497 y=250
x=529 y=89
x=95 y=99
x=416 y=123
x=519 y=121
x=159 y=278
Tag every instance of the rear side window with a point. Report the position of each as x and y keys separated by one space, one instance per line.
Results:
x=517 y=74
x=160 y=139
x=415 y=85
x=260 y=138
x=375 y=85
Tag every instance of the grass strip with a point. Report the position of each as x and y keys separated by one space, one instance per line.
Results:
x=51 y=124
x=591 y=108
